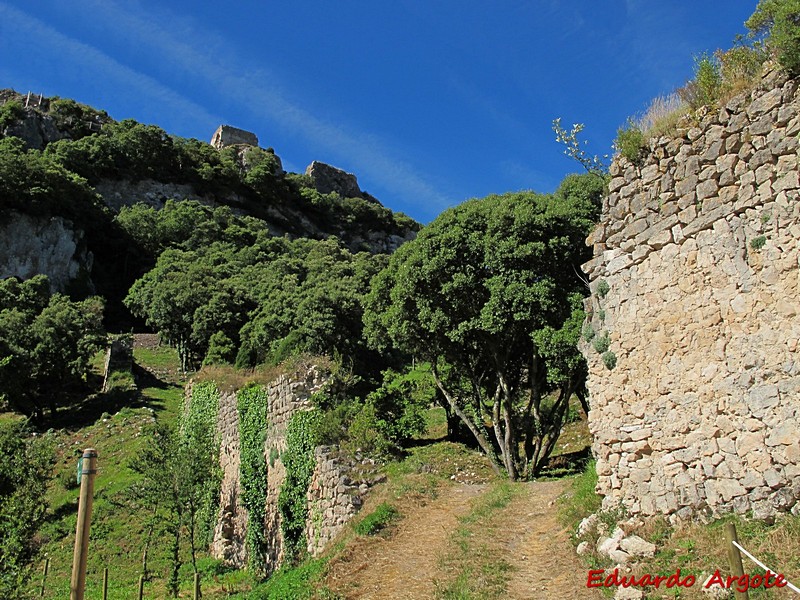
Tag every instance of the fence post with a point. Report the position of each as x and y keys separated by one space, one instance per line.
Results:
x=44 y=575
x=734 y=558
x=77 y=584
x=105 y=583
x=197 y=594
x=140 y=595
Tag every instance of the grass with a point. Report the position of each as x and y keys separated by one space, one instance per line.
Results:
x=115 y=424
x=473 y=568
x=378 y=520
x=695 y=548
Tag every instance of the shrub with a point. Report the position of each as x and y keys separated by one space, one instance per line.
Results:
x=603 y=288
x=601 y=343
x=609 y=360
x=758 y=242
x=11 y=111
x=588 y=332
x=739 y=67
x=704 y=89
x=630 y=142
x=779 y=21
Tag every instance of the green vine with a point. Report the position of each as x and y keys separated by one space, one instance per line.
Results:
x=302 y=434
x=199 y=449
x=252 y=405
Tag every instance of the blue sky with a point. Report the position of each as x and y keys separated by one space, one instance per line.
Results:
x=427 y=102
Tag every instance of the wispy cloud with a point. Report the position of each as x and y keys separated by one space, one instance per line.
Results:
x=103 y=68
x=371 y=157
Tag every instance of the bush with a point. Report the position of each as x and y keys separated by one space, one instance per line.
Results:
x=779 y=21
x=758 y=242
x=630 y=142
x=704 y=89
x=601 y=343
x=609 y=360
x=11 y=111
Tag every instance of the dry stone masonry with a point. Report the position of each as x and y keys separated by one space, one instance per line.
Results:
x=334 y=493
x=695 y=283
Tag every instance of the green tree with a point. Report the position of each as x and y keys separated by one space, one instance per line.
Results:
x=779 y=22
x=490 y=294
x=25 y=466
x=46 y=342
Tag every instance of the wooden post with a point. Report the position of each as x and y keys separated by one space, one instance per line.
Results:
x=197 y=586
x=44 y=575
x=140 y=595
x=89 y=469
x=105 y=583
x=734 y=558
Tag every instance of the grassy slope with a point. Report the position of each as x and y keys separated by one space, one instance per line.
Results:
x=114 y=426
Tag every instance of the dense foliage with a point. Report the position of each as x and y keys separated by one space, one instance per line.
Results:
x=779 y=21
x=198 y=456
x=298 y=458
x=252 y=404
x=25 y=465
x=224 y=290
x=46 y=341
x=490 y=293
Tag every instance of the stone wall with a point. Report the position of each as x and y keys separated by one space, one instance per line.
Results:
x=698 y=250
x=335 y=494
x=229 y=533
x=333 y=491
x=225 y=135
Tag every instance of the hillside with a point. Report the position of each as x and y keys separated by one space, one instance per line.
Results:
x=70 y=230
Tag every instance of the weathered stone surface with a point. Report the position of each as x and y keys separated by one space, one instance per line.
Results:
x=334 y=494
x=700 y=411
x=31 y=246
x=329 y=179
x=225 y=135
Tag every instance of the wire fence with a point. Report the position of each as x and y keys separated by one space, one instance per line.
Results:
x=791 y=586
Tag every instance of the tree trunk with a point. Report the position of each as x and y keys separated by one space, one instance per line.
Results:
x=481 y=439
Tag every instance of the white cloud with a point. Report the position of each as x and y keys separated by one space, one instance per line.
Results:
x=368 y=155
x=100 y=67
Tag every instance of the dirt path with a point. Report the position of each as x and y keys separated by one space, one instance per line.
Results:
x=406 y=564
x=545 y=565
x=527 y=535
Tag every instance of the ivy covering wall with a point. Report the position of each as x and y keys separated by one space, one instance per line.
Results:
x=198 y=446
x=252 y=404
x=302 y=435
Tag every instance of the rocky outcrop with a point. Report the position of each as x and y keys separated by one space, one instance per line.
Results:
x=35 y=129
x=329 y=179
x=694 y=322
x=51 y=246
x=225 y=135
x=118 y=193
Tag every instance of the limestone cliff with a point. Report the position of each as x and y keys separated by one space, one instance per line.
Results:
x=39 y=245
x=695 y=405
